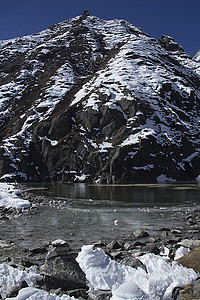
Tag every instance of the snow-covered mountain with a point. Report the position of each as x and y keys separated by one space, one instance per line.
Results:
x=98 y=101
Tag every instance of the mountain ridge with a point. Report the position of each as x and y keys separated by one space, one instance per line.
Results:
x=98 y=101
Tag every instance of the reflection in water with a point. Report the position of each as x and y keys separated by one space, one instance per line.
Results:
x=83 y=213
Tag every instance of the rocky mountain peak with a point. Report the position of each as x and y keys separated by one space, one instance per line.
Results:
x=98 y=101
x=197 y=56
x=169 y=43
x=86 y=13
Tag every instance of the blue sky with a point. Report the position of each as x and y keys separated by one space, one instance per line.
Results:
x=177 y=18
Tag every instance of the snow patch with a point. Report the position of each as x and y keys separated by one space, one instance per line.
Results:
x=12 y=277
x=104 y=146
x=31 y=293
x=137 y=137
x=198 y=178
x=126 y=282
x=9 y=198
x=181 y=252
x=164 y=178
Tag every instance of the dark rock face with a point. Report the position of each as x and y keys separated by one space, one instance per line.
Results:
x=98 y=101
x=169 y=43
x=60 y=269
x=63 y=272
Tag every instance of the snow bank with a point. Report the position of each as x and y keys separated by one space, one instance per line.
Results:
x=129 y=283
x=12 y=277
x=9 y=198
x=36 y=294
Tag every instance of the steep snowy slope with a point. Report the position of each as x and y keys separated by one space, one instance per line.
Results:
x=98 y=101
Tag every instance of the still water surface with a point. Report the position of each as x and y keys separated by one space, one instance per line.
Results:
x=81 y=213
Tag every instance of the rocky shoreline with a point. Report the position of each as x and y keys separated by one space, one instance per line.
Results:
x=61 y=274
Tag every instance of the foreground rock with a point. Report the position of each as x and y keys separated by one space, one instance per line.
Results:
x=191 y=260
x=60 y=269
x=189 y=292
x=57 y=264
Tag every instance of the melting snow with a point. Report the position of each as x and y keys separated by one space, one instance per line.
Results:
x=126 y=282
x=9 y=198
x=181 y=252
x=11 y=277
x=31 y=293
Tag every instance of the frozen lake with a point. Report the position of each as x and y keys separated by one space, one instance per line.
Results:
x=83 y=213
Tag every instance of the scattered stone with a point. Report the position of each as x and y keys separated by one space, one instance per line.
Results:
x=78 y=293
x=176 y=231
x=99 y=244
x=116 y=255
x=28 y=263
x=133 y=262
x=99 y=295
x=190 y=223
x=59 y=249
x=140 y=234
x=196 y=226
x=59 y=243
x=163 y=229
x=38 y=250
x=174 y=240
x=189 y=217
x=127 y=246
x=164 y=234
x=58 y=292
x=114 y=245
x=189 y=243
x=151 y=248
x=151 y=240
x=138 y=244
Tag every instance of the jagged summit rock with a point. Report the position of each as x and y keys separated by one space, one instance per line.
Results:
x=197 y=56
x=86 y=13
x=169 y=43
x=98 y=101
